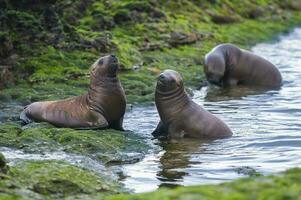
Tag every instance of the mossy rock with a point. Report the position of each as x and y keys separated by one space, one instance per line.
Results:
x=107 y=146
x=284 y=186
x=53 y=180
x=62 y=50
x=3 y=166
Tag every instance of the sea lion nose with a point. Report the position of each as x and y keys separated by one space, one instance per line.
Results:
x=161 y=76
x=113 y=58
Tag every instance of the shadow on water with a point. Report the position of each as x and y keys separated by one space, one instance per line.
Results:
x=214 y=93
x=177 y=154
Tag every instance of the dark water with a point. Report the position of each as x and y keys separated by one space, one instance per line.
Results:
x=266 y=126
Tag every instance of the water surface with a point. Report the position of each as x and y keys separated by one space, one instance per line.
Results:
x=266 y=126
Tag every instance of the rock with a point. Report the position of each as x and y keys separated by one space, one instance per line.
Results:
x=292 y=4
x=146 y=46
x=6 y=45
x=177 y=38
x=154 y=70
x=256 y=12
x=6 y=76
x=102 y=44
x=3 y=166
x=223 y=19
x=246 y=170
x=122 y=16
x=157 y=14
x=135 y=12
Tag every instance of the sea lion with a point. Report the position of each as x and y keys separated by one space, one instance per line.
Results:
x=180 y=116
x=103 y=106
x=227 y=65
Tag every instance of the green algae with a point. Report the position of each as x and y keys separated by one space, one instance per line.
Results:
x=54 y=180
x=284 y=186
x=107 y=146
x=60 y=57
x=57 y=41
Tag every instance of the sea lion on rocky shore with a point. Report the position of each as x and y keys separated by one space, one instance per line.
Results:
x=102 y=107
x=227 y=65
x=180 y=116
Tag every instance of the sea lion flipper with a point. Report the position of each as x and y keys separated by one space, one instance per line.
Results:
x=161 y=130
x=24 y=119
x=117 y=124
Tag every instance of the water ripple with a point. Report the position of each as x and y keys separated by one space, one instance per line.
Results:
x=266 y=126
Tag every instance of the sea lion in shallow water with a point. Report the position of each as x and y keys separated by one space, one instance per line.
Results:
x=180 y=116
x=227 y=65
x=103 y=106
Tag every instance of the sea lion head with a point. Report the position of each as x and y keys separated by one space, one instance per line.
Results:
x=169 y=80
x=215 y=68
x=106 y=66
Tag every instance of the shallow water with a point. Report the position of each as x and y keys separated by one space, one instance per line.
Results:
x=266 y=126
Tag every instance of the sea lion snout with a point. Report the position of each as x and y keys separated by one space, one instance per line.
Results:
x=214 y=79
x=162 y=78
x=105 y=66
x=113 y=64
x=113 y=59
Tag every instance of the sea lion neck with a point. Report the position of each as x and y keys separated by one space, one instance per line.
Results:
x=100 y=90
x=176 y=98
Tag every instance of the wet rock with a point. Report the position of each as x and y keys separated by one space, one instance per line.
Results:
x=223 y=19
x=102 y=44
x=42 y=137
x=6 y=45
x=139 y=6
x=122 y=16
x=282 y=186
x=55 y=180
x=255 y=12
x=102 y=22
x=157 y=14
x=6 y=76
x=292 y=4
x=246 y=170
x=133 y=12
x=204 y=83
x=177 y=38
x=58 y=187
x=3 y=166
x=147 y=46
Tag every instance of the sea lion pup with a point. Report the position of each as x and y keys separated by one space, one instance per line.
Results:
x=102 y=107
x=227 y=65
x=180 y=116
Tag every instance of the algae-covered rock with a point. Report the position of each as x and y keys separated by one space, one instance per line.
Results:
x=291 y=4
x=57 y=41
x=103 y=145
x=3 y=166
x=53 y=179
x=284 y=186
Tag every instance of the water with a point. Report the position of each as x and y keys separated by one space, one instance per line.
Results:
x=266 y=126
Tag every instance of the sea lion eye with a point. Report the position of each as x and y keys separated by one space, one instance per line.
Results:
x=100 y=62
